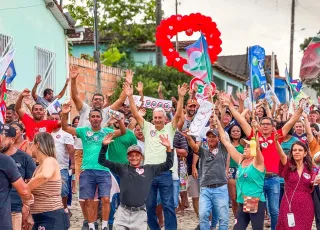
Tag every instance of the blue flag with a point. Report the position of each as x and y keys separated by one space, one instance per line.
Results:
x=199 y=63
x=257 y=77
x=10 y=73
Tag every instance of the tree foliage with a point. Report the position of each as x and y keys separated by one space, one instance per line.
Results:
x=150 y=76
x=126 y=22
x=304 y=45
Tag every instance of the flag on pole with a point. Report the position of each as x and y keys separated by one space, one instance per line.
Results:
x=257 y=77
x=199 y=64
x=294 y=85
x=310 y=64
x=10 y=73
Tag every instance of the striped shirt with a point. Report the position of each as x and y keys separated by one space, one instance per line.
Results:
x=47 y=197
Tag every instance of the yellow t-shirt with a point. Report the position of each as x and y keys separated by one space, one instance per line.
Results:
x=155 y=152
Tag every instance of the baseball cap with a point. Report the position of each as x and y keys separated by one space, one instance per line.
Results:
x=192 y=102
x=213 y=131
x=7 y=130
x=134 y=148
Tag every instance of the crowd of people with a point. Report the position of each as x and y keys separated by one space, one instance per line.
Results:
x=261 y=161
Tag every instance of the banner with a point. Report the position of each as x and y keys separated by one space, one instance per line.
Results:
x=257 y=77
x=54 y=107
x=201 y=118
x=5 y=62
x=310 y=64
x=199 y=64
x=151 y=103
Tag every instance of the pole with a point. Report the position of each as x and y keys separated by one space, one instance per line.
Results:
x=293 y=6
x=159 y=59
x=96 y=45
x=177 y=40
x=273 y=69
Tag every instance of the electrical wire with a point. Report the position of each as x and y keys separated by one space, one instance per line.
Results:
x=21 y=7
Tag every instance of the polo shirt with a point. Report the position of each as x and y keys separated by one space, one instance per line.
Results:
x=269 y=151
x=155 y=152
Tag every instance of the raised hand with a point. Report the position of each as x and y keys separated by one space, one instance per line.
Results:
x=27 y=100
x=108 y=139
x=74 y=72
x=66 y=108
x=182 y=91
x=242 y=96
x=164 y=140
x=160 y=87
x=142 y=112
x=110 y=92
x=38 y=79
x=128 y=89
x=129 y=76
x=25 y=93
x=139 y=87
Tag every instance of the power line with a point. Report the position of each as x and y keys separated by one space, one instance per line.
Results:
x=21 y=7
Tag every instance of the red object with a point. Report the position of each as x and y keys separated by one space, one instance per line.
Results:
x=3 y=106
x=198 y=81
x=33 y=127
x=170 y=27
x=269 y=151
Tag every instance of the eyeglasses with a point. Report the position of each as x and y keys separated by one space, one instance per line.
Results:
x=262 y=124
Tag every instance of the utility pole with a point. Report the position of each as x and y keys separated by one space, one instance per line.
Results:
x=293 y=6
x=159 y=59
x=177 y=40
x=96 y=45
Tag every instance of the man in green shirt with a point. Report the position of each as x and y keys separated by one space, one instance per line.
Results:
x=93 y=174
x=117 y=152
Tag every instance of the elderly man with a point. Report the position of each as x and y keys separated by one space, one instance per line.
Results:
x=155 y=153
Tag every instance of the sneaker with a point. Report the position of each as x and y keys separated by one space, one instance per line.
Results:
x=105 y=228
x=85 y=225
x=110 y=226
x=96 y=225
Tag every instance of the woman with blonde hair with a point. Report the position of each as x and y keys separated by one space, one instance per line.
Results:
x=47 y=209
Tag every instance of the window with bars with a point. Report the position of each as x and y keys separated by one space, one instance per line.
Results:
x=6 y=44
x=46 y=68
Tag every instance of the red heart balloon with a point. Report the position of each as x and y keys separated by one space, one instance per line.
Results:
x=171 y=26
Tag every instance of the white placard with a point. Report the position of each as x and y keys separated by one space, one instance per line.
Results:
x=150 y=102
x=229 y=89
x=201 y=118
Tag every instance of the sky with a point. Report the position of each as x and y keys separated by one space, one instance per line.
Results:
x=245 y=23
x=266 y=23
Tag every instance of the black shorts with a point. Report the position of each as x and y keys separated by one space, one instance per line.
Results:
x=53 y=220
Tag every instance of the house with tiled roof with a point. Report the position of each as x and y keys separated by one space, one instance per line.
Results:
x=145 y=54
x=36 y=29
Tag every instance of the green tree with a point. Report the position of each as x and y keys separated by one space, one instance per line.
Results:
x=151 y=76
x=126 y=22
x=304 y=45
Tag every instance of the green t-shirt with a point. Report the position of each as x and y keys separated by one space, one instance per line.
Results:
x=91 y=142
x=234 y=164
x=250 y=182
x=117 y=151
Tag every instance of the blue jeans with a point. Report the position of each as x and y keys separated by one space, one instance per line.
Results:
x=217 y=198
x=272 y=192
x=176 y=192
x=65 y=182
x=114 y=203
x=164 y=183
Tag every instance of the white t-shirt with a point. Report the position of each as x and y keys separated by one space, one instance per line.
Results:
x=61 y=139
x=175 y=175
x=84 y=121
